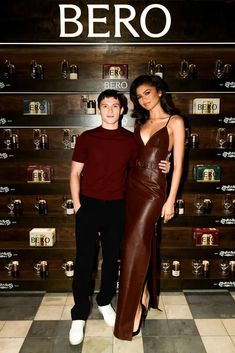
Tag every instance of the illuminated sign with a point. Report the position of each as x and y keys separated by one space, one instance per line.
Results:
x=119 y=20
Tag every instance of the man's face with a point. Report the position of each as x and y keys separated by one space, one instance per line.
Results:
x=110 y=111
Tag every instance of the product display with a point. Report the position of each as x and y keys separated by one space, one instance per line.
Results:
x=68 y=207
x=197 y=266
x=221 y=137
x=9 y=71
x=207 y=173
x=175 y=268
x=40 y=173
x=41 y=268
x=115 y=71
x=224 y=266
x=73 y=72
x=91 y=107
x=206 y=236
x=206 y=106
x=36 y=70
x=155 y=69
x=230 y=140
x=42 y=207
x=207 y=206
x=42 y=237
x=44 y=141
x=232 y=267
x=187 y=70
x=64 y=69
x=179 y=207
x=36 y=107
x=194 y=140
x=227 y=204
x=68 y=267
x=60 y=102
x=13 y=268
x=205 y=268
x=165 y=265
x=222 y=71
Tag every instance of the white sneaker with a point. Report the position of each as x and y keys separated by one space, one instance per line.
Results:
x=76 y=332
x=108 y=313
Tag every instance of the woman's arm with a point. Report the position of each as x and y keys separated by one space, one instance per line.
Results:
x=177 y=140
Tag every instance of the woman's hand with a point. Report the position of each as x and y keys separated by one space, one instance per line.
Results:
x=165 y=166
x=168 y=211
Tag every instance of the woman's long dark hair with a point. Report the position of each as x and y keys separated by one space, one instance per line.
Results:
x=139 y=112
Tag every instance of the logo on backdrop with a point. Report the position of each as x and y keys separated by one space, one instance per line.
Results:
x=73 y=20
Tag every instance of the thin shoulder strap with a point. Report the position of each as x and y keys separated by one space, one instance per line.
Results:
x=168 y=120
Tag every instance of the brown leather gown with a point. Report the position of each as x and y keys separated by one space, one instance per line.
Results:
x=145 y=197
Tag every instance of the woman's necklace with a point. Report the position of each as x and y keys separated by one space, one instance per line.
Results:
x=152 y=121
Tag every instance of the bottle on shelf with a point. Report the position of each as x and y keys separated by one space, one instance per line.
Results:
x=230 y=140
x=68 y=268
x=13 y=268
x=175 y=268
x=73 y=141
x=41 y=206
x=151 y=67
x=9 y=72
x=65 y=69
x=219 y=69
x=205 y=268
x=73 y=72
x=159 y=70
x=15 y=141
x=207 y=206
x=7 y=138
x=91 y=107
x=41 y=268
x=67 y=205
x=179 y=207
x=232 y=267
x=15 y=207
x=184 y=69
x=36 y=70
x=44 y=142
x=194 y=140
x=192 y=71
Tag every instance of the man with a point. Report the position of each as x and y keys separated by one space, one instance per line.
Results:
x=97 y=182
x=98 y=176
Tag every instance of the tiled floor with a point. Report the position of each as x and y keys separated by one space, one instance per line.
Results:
x=189 y=322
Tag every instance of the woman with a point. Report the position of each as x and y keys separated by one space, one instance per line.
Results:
x=160 y=132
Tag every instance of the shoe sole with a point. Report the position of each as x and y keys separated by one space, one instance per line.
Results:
x=75 y=343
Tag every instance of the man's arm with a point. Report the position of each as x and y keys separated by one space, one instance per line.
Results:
x=75 y=178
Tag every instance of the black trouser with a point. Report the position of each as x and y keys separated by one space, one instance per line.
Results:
x=107 y=218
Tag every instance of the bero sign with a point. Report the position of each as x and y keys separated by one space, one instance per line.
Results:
x=77 y=22
x=119 y=20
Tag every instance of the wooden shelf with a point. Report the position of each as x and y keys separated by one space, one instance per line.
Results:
x=175 y=239
x=61 y=86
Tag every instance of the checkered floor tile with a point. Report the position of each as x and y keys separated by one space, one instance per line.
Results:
x=188 y=322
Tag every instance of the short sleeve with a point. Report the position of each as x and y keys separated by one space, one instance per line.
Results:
x=80 y=150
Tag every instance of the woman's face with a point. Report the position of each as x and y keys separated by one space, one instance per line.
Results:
x=148 y=96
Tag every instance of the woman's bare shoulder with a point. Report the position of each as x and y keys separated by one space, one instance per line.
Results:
x=176 y=117
x=176 y=120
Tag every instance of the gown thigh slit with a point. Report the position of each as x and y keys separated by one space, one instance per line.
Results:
x=145 y=196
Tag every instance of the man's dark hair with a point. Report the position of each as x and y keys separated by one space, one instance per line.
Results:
x=111 y=93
